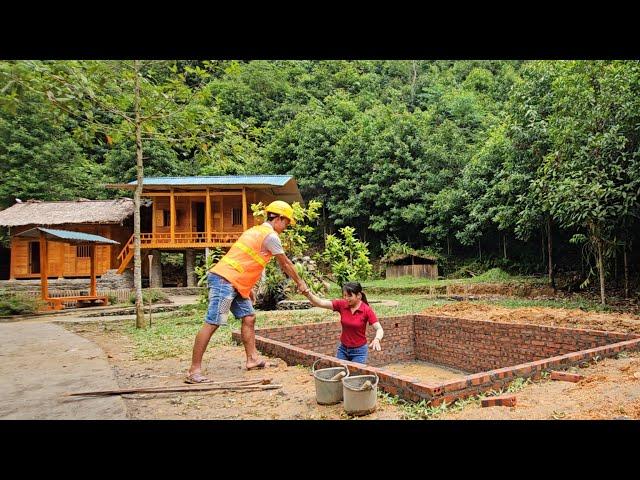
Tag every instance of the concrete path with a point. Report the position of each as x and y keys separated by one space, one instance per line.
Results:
x=41 y=361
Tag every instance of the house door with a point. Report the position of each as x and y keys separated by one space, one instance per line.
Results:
x=5 y=263
x=146 y=220
x=198 y=216
x=34 y=257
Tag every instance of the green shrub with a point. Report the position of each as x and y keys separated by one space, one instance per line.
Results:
x=493 y=275
x=348 y=257
x=113 y=300
x=16 y=304
x=149 y=296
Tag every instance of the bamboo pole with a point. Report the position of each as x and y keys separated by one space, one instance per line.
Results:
x=177 y=388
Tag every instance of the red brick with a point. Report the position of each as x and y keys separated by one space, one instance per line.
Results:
x=455 y=385
x=500 y=401
x=565 y=376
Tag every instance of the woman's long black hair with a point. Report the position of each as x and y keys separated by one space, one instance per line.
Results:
x=354 y=288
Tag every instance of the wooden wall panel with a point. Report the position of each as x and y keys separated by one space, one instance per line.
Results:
x=55 y=266
x=20 y=257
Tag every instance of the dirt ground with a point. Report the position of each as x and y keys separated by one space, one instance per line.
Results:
x=295 y=400
x=611 y=389
x=559 y=317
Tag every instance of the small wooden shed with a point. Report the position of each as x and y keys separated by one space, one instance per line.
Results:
x=45 y=236
x=414 y=264
x=111 y=219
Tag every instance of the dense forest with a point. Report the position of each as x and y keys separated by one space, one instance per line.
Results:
x=532 y=166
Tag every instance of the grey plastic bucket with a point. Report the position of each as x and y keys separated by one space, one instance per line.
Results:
x=357 y=401
x=328 y=392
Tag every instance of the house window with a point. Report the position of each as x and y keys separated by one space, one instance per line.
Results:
x=236 y=214
x=166 y=218
x=83 y=251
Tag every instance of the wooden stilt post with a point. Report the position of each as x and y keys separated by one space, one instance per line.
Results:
x=153 y=219
x=173 y=217
x=44 y=284
x=244 y=209
x=93 y=288
x=208 y=218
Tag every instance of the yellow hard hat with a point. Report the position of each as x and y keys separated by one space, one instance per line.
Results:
x=281 y=208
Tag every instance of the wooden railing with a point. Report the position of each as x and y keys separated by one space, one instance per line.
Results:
x=180 y=240
x=126 y=249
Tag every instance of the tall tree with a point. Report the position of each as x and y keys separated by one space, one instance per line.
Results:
x=136 y=105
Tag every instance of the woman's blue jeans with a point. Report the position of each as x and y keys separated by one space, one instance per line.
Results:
x=353 y=354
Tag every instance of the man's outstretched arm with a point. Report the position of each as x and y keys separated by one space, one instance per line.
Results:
x=289 y=269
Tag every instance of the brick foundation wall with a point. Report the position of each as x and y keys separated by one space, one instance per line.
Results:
x=397 y=344
x=498 y=352
x=477 y=346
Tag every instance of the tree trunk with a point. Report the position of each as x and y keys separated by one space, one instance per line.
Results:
x=324 y=223
x=601 y=271
x=504 y=240
x=413 y=82
x=137 y=263
x=552 y=280
x=615 y=268
x=479 y=250
x=626 y=270
x=448 y=246
x=542 y=246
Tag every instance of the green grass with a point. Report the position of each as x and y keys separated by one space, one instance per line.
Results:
x=168 y=336
x=422 y=411
x=17 y=304
x=172 y=335
x=495 y=275
x=414 y=285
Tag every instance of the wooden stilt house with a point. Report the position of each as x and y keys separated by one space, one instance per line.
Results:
x=188 y=213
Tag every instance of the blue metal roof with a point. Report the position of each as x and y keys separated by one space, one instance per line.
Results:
x=269 y=180
x=66 y=236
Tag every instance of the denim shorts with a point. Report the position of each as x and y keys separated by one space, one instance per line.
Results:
x=353 y=354
x=223 y=297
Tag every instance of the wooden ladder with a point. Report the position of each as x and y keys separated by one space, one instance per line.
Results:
x=125 y=255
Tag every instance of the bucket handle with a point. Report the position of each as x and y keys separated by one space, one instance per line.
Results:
x=313 y=367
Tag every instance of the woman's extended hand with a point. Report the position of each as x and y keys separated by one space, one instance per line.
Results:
x=375 y=345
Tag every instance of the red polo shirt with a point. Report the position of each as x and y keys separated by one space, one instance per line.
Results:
x=354 y=324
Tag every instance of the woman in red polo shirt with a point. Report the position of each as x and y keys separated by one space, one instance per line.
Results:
x=355 y=313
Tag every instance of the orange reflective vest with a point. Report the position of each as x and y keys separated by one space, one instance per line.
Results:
x=243 y=264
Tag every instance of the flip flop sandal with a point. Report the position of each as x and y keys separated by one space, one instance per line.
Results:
x=196 y=378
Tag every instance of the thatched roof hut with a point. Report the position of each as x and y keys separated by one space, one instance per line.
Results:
x=35 y=212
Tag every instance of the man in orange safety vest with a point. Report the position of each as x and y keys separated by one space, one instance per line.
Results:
x=231 y=283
